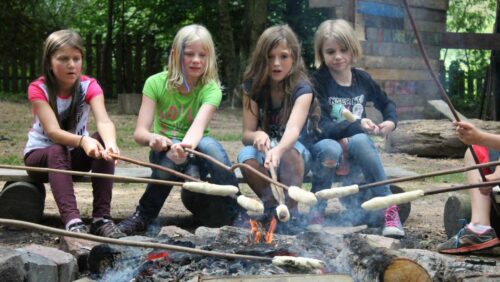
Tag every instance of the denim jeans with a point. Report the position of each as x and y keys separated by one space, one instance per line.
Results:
x=249 y=152
x=364 y=158
x=210 y=210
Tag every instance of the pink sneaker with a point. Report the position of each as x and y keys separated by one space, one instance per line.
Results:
x=393 y=227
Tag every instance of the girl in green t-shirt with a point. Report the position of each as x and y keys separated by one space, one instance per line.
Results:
x=176 y=108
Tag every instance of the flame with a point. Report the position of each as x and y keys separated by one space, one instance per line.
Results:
x=255 y=229
x=258 y=231
x=270 y=231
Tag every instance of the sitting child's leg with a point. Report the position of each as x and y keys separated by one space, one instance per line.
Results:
x=478 y=234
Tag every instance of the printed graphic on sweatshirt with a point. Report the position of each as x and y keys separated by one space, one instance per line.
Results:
x=353 y=104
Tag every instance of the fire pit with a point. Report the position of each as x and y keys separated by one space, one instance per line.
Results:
x=132 y=264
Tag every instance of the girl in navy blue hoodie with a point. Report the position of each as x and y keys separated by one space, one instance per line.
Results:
x=341 y=87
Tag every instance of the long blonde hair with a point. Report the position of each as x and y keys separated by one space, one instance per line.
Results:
x=342 y=32
x=54 y=42
x=184 y=36
x=258 y=71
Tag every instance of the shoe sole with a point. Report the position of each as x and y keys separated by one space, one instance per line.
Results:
x=476 y=247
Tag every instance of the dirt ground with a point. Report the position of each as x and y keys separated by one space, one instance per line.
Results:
x=424 y=227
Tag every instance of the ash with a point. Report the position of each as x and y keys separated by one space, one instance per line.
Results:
x=178 y=266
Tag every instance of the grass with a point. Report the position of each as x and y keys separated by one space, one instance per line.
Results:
x=13 y=97
x=449 y=178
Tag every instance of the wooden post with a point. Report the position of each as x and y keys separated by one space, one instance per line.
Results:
x=457 y=212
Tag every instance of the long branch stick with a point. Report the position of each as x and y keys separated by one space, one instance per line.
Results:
x=29 y=225
x=154 y=166
x=440 y=87
x=301 y=262
x=92 y=174
x=233 y=167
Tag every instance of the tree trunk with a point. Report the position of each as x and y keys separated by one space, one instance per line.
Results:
x=227 y=51
x=495 y=68
x=106 y=80
x=254 y=24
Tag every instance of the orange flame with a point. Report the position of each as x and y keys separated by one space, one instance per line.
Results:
x=270 y=231
x=255 y=229
x=258 y=231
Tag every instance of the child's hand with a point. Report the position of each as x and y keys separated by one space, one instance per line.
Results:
x=92 y=147
x=386 y=127
x=159 y=143
x=111 y=148
x=467 y=132
x=177 y=153
x=370 y=127
x=273 y=157
x=261 y=141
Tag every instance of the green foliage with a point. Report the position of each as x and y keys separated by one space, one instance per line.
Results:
x=13 y=97
x=466 y=69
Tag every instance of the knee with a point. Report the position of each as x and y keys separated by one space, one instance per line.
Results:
x=58 y=152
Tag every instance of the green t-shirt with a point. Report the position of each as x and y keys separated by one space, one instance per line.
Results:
x=174 y=111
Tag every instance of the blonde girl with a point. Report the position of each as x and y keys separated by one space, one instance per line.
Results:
x=340 y=86
x=177 y=106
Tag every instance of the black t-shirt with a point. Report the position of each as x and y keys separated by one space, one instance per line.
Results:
x=276 y=130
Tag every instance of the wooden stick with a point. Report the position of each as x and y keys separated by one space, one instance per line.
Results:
x=226 y=190
x=29 y=225
x=92 y=174
x=406 y=197
x=302 y=197
x=338 y=192
x=154 y=166
x=213 y=189
x=233 y=167
x=300 y=262
x=440 y=87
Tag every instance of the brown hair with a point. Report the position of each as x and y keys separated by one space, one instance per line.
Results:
x=54 y=42
x=257 y=70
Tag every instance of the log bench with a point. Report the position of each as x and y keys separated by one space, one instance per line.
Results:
x=18 y=185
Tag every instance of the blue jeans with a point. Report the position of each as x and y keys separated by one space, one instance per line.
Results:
x=249 y=152
x=210 y=210
x=364 y=158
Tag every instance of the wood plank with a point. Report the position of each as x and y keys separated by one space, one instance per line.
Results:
x=392 y=35
x=327 y=3
x=480 y=41
x=395 y=62
x=399 y=74
x=379 y=9
x=429 y=4
x=430 y=26
x=398 y=50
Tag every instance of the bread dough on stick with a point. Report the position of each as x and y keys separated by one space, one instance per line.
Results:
x=210 y=189
x=394 y=199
